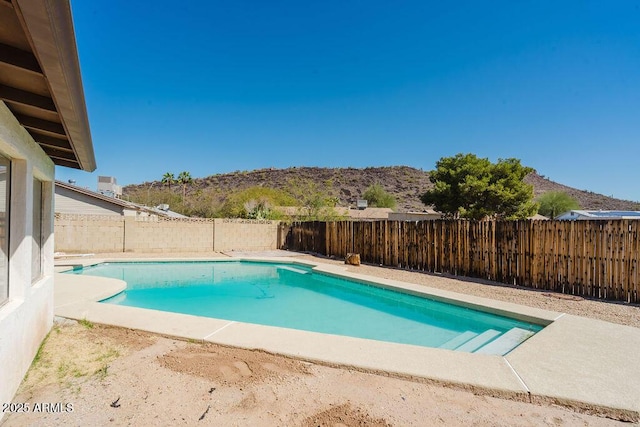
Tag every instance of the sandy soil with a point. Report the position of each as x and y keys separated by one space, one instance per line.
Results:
x=115 y=376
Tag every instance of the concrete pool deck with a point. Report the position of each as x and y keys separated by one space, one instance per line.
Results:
x=586 y=363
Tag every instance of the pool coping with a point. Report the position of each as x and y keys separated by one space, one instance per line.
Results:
x=559 y=364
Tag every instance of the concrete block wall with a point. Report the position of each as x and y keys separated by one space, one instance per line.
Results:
x=88 y=233
x=96 y=234
x=245 y=234
x=177 y=235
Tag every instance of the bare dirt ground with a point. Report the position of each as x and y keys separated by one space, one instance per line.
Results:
x=113 y=376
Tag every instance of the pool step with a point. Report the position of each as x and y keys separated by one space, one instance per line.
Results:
x=478 y=341
x=509 y=340
x=295 y=270
x=458 y=340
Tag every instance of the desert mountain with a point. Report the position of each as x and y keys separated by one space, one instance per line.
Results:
x=348 y=184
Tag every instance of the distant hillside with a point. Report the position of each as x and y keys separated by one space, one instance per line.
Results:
x=586 y=199
x=348 y=184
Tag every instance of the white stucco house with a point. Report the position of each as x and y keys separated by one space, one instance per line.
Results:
x=577 y=214
x=43 y=122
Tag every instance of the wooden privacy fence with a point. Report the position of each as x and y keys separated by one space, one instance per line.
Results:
x=596 y=259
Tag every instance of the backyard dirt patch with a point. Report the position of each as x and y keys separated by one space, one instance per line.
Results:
x=80 y=353
x=343 y=415
x=230 y=367
x=154 y=380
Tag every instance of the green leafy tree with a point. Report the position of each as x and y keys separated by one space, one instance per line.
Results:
x=168 y=179
x=466 y=186
x=376 y=196
x=554 y=203
x=184 y=178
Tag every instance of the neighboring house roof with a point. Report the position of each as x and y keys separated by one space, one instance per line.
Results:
x=40 y=79
x=98 y=196
x=166 y=213
x=538 y=217
x=122 y=204
x=367 y=213
x=427 y=211
x=586 y=214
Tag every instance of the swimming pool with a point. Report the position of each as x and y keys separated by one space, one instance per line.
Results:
x=294 y=296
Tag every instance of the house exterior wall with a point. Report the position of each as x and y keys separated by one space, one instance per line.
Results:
x=369 y=214
x=27 y=316
x=413 y=216
x=72 y=202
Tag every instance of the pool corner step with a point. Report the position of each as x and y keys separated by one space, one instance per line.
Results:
x=478 y=341
x=458 y=340
x=294 y=269
x=508 y=341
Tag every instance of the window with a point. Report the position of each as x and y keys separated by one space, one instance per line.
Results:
x=5 y=185
x=36 y=235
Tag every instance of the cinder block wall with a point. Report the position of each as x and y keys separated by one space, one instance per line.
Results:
x=245 y=234
x=168 y=235
x=95 y=234
x=88 y=233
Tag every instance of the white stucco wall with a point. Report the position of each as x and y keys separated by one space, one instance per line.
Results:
x=27 y=317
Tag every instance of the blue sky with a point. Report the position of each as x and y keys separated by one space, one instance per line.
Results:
x=217 y=86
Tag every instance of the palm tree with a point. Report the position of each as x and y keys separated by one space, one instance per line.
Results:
x=168 y=179
x=184 y=178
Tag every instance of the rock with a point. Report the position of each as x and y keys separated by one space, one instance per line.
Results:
x=352 y=259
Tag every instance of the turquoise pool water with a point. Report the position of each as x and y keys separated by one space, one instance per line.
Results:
x=293 y=296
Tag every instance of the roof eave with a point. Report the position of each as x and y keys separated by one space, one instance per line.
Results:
x=50 y=29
